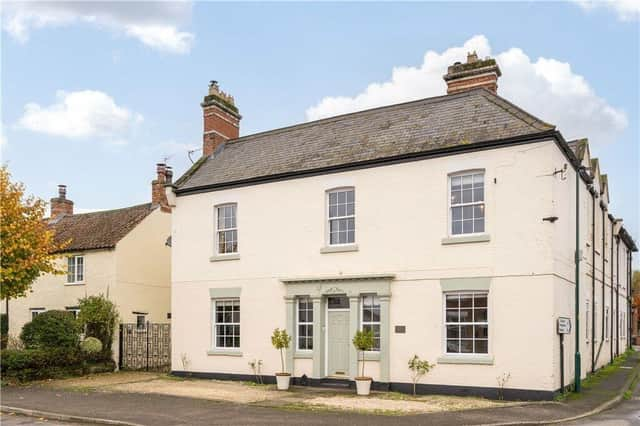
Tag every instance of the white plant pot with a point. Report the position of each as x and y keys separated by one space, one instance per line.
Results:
x=282 y=380
x=363 y=386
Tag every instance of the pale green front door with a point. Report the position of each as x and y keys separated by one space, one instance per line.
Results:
x=338 y=343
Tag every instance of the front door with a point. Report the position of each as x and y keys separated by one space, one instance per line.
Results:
x=338 y=343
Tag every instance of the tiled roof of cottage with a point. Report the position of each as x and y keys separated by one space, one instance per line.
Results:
x=98 y=230
x=471 y=117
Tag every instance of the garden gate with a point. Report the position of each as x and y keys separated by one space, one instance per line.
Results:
x=145 y=347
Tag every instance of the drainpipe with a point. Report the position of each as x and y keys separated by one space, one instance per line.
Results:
x=577 y=364
x=593 y=278
x=629 y=297
x=617 y=295
x=604 y=240
x=611 y=280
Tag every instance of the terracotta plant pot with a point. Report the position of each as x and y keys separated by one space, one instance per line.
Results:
x=282 y=380
x=363 y=385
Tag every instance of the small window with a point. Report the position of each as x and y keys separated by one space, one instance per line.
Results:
x=35 y=312
x=466 y=319
x=73 y=310
x=75 y=269
x=338 y=302
x=226 y=229
x=227 y=324
x=305 y=324
x=371 y=318
x=141 y=321
x=467 y=203
x=342 y=216
x=587 y=322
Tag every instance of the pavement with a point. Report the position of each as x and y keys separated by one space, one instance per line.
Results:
x=164 y=410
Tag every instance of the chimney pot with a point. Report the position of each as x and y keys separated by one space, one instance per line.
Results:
x=60 y=205
x=221 y=119
x=472 y=74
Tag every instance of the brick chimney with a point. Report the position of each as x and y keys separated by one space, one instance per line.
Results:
x=158 y=194
x=60 y=205
x=473 y=74
x=221 y=119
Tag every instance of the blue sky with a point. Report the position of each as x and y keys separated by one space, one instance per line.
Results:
x=94 y=94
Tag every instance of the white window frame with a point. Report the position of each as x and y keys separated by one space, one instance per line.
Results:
x=473 y=323
x=36 y=311
x=460 y=174
x=376 y=298
x=305 y=323
x=606 y=324
x=587 y=322
x=329 y=218
x=75 y=259
x=75 y=311
x=218 y=230
x=215 y=323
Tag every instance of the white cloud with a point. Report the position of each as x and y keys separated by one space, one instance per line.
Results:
x=155 y=24
x=547 y=88
x=627 y=10
x=81 y=115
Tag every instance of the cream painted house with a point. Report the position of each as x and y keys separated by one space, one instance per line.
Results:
x=446 y=225
x=123 y=254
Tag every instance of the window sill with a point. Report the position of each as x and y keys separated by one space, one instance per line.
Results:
x=339 y=249
x=465 y=359
x=303 y=355
x=224 y=352
x=223 y=257
x=78 y=283
x=464 y=239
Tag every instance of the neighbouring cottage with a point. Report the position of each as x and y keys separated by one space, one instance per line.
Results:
x=446 y=225
x=123 y=254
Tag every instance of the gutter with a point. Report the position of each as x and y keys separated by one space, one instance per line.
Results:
x=407 y=157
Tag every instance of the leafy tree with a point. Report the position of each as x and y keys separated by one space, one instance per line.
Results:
x=98 y=317
x=280 y=340
x=51 y=329
x=28 y=245
x=418 y=369
x=363 y=341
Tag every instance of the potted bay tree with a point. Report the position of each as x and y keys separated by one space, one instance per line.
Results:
x=280 y=340
x=363 y=342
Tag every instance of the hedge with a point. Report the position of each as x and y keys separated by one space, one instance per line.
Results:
x=51 y=329
x=38 y=364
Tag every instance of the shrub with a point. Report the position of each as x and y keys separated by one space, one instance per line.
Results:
x=36 y=364
x=280 y=340
x=51 y=329
x=363 y=341
x=91 y=345
x=4 y=330
x=98 y=317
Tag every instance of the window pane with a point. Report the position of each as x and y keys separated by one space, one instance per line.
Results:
x=333 y=211
x=452 y=315
x=478 y=194
x=453 y=346
x=456 y=228
x=467 y=181
x=333 y=198
x=478 y=225
x=466 y=315
x=481 y=331
x=466 y=331
x=452 y=300
x=478 y=211
x=351 y=209
x=466 y=300
x=467 y=212
x=467 y=226
x=466 y=346
x=456 y=213
x=456 y=183
x=481 y=346
x=453 y=331
x=342 y=210
x=342 y=197
x=456 y=197
x=480 y=315
x=467 y=195
x=480 y=300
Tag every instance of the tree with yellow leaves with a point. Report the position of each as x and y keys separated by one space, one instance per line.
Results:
x=27 y=245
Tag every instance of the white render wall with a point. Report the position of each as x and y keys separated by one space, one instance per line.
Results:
x=401 y=219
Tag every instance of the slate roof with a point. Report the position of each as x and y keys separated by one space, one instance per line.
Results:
x=579 y=147
x=98 y=230
x=470 y=117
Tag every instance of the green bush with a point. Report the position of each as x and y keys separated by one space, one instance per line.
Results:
x=4 y=330
x=91 y=345
x=37 y=364
x=51 y=329
x=98 y=317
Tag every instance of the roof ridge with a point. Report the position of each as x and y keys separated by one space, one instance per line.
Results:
x=516 y=111
x=109 y=210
